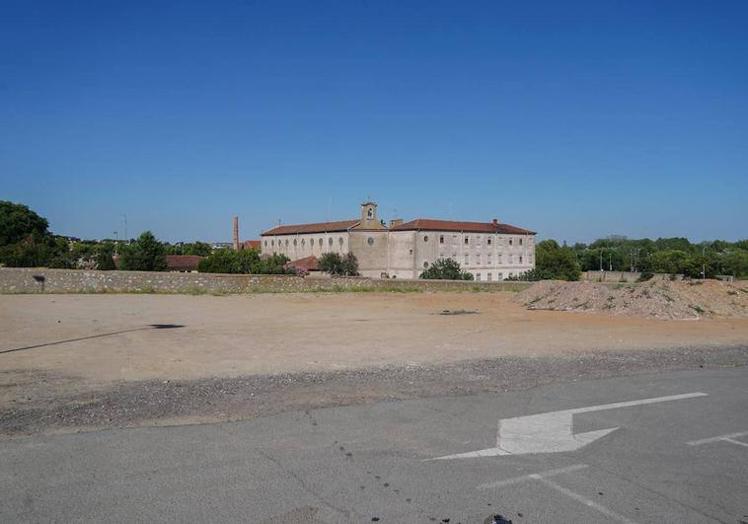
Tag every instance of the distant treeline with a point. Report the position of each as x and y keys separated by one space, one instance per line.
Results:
x=665 y=255
x=25 y=241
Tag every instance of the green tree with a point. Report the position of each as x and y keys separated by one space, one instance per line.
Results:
x=145 y=254
x=555 y=262
x=105 y=256
x=18 y=223
x=221 y=261
x=334 y=264
x=446 y=269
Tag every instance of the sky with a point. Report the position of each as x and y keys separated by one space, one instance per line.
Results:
x=574 y=119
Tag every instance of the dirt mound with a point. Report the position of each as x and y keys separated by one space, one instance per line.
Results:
x=660 y=299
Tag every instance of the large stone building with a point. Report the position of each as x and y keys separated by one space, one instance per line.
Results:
x=488 y=250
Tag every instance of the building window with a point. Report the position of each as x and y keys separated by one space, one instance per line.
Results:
x=499 y=259
x=425 y=264
x=489 y=276
x=510 y=241
x=303 y=241
x=488 y=240
x=466 y=240
x=272 y=242
x=510 y=260
x=425 y=238
x=441 y=239
x=520 y=259
x=477 y=276
x=294 y=241
x=467 y=259
x=311 y=242
x=477 y=260
x=266 y=243
x=286 y=242
x=488 y=259
x=501 y=276
x=370 y=241
x=340 y=240
x=520 y=241
x=329 y=241
x=320 y=242
x=410 y=251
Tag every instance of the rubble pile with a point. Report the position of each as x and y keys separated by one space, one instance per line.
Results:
x=659 y=299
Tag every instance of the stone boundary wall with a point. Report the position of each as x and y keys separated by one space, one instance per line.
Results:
x=621 y=276
x=43 y=280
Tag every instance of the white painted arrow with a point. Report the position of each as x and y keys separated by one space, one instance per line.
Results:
x=552 y=432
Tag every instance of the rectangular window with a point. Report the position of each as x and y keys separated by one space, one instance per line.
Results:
x=488 y=240
x=499 y=259
x=489 y=276
x=466 y=240
x=477 y=276
x=467 y=259
x=441 y=239
x=520 y=259
x=477 y=260
x=520 y=241
x=510 y=241
x=501 y=276
x=488 y=260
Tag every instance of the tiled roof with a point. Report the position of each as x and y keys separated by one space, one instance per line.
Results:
x=320 y=227
x=251 y=244
x=182 y=262
x=427 y=224
x=306 y=264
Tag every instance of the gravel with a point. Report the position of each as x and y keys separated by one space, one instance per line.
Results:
x=219 y=399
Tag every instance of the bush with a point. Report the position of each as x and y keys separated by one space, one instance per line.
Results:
x=243 y=261
x=334 y=264
x=446 y=269
x=646 y=275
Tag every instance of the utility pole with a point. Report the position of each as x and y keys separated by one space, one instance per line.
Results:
x=124 y=219
x=601 y=260
x=610 y=261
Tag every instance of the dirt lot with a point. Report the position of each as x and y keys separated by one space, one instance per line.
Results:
x=65 y=350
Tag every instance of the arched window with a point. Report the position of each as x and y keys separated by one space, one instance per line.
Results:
x=425 y=238
x=311 y=241
x=425 y=264
x=329 y=241
x=370 y=241
x=294 y=241
x=320 y=242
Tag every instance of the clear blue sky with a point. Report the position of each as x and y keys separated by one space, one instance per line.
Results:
x=575 y=119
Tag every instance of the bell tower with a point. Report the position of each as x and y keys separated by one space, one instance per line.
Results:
x=369 y=219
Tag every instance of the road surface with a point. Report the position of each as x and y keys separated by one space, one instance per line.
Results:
x=668 y=447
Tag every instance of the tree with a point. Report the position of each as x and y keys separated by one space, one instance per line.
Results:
x=221 y=261
x=145 y=254
x=334 y=264
x=555 y=262
x=446 y=269
x=19 y=223
x=105 y=256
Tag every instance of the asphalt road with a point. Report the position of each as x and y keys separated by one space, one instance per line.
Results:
x=672 y=459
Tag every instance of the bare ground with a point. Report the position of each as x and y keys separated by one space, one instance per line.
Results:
x=75 y=361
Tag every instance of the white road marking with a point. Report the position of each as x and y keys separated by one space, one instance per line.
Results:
x=584 y=500
x=553 y=432
x=544 y=477
x=729 y=438
x=525 y=478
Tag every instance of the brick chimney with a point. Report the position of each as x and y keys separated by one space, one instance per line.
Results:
x=236 y=234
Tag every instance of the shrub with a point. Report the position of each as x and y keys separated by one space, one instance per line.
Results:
x=646 y=275
x=446 y=269
x=334 y=264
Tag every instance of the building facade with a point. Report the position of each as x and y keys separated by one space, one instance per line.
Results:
x=491 y=251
